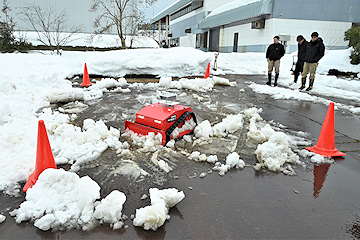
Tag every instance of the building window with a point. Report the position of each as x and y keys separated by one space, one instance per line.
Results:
x=181 y=12
x=197 y=4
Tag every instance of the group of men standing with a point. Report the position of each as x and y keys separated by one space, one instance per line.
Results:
x=309 y=54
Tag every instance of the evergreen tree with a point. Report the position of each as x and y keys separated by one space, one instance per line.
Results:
x=353 y=36
x=8 y=42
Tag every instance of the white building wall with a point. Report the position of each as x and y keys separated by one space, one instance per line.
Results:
x=188 y=41
x=331 y=32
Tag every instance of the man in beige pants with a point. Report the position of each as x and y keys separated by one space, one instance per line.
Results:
x=274 y=52
x=315 y=50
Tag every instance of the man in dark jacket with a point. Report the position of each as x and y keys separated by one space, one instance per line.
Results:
x=302 y=43
x=273 y=54
x=315 y=50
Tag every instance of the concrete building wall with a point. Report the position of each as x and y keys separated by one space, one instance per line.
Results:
x=288 y=18
x=321 y=10
x=332 y=34
x=190 y=20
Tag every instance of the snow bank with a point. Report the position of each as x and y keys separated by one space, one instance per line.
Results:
x=154 y=216
x=92 y=40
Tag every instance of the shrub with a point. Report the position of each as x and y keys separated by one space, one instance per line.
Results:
x=8 y=42
x=353 y=36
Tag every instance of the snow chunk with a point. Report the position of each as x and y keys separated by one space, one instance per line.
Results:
x=165 y=82
x=154 y=216
x=232 y=160
x=109 y=210
x=319 y=159
x=2 y=218
x=230 y=124
x=204 y=130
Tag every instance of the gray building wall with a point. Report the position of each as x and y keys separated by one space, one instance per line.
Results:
x=323 y=10
x=178 y=29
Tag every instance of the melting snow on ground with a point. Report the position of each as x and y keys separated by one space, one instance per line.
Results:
x=61 y=199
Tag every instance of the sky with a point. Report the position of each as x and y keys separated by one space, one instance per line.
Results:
x=33 y=81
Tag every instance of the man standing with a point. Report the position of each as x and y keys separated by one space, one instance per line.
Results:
x=315 y=50
x=302 y=43
x=273 y=54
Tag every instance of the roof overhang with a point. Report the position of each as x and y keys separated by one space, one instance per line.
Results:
x=252 y=10
x=170 y=9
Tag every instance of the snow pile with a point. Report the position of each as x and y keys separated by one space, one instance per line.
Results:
x=232 y=160
x=274 y=153
x=230 y=124
x=62 y=200
x=154 y=216
x=76 y=146
x=197 y=84
x=59 y=200
x=204 y=130
x=262 y=135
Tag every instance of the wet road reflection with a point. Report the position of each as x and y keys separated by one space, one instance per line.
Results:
x=320 y=173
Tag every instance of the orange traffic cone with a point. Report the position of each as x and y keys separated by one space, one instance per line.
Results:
x=207 y=73
x=86 y=80
x=325 y=145
x=44 y=156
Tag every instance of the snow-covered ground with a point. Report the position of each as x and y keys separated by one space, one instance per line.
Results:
x=29 y=83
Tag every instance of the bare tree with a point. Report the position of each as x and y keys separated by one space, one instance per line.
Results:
x=51 y=27
x=124 y=15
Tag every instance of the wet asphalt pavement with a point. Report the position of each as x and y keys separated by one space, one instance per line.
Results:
x=320 y=202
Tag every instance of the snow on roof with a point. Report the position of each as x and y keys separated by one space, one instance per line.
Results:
x=166 y=8
x=230 y=6
x=167 y=11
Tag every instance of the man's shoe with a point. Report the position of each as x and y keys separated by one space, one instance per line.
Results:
x=268 y=83
x=309 y=88
x=302 y=87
